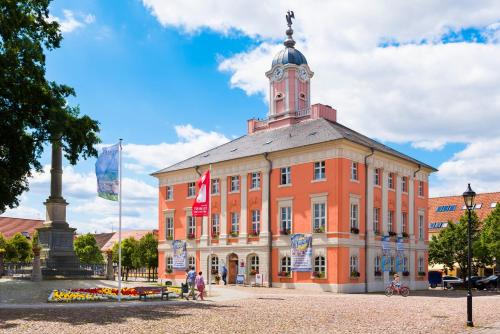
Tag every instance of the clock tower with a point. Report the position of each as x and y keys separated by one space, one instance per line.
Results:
x=289 y=81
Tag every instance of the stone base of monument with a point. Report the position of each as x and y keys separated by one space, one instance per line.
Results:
x=58 y=258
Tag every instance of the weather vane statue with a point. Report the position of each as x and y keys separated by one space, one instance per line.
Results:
x=289 y=42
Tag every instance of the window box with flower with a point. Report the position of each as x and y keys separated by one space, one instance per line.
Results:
x=254 y=234
x=170 y=237
x=169 y=271
x=392 y=234
x=319 y=274
x=285 y=231
x=378 y=273
x=235 y=234
x=392 y=273
x=285 y=274
x=406 y=273
x=405 y=235
x=191 y=236
x=253 y=272
x=320 y=229
x=421 y=273
x=354 y=230
x=355 y=274
x=215 y=236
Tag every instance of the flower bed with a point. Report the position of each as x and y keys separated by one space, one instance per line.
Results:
x=100 y=294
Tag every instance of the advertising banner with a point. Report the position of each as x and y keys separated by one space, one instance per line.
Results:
x=301 y=252
x=106 y=171
x=180 y=254
x=202 y=202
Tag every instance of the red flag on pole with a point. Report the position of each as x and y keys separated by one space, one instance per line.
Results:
x=202 y=201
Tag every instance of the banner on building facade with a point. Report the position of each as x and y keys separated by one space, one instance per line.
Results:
x=202 y=202
x=106 y=171
x=399 y=254
x=301 y=253
x=180 y=254
x=386 y=254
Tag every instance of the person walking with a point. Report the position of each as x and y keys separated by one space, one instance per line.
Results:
x=191 y=277
x=224 y=274
x=200 y=285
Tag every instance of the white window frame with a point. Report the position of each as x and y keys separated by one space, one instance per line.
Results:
x=354 y=171
x=169 y=263
x=319 y=170
x=286 y=219
x=256 y=221
x=404 y=184
x=404 y=222
x=214 y=265
x=234 y=184
x=420 y=264
x=192 y=262
x=169 y=227
x=376 y=219
x=235 y=222
x=286 y=264
x=354 y=215
x=191 y=189
x=377 y=263
x=421 y=188
x=319 y=216
x=405 y=264
x=353 y=264
x=285 y=175
x=390 y=181
x=421 y=223
x=170 y=193
x=215 y=225
x=320 y=266
x=376 y=176
x=191 y=225
x=215 y=187
x=390 y=221
x=254 y=263
x=255 y=180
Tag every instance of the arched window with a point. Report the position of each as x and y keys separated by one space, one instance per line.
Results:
x=254 y=264
x=353 y=266
x=286 y=264
x=170 y=264
x=319 y=266
x=214 y=265
x=192 y=262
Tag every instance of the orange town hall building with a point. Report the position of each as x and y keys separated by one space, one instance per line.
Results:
x=298 y=171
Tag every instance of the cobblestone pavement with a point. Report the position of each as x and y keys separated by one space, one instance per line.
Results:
x=261 y=310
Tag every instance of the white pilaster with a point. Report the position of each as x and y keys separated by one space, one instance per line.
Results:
x=369 y=201
x=398 y=181
x=411 y=207
x=264 y=233
x=223 y=211
x=243 y=211
x=385 y=202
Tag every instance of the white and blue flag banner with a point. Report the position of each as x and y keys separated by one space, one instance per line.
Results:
x=106 y=171
x=301 y=252
x=180 y=254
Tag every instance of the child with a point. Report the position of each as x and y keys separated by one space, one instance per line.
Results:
x=396 y=283
x=200 y=285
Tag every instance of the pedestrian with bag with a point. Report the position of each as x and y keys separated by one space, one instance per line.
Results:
x=200 y=285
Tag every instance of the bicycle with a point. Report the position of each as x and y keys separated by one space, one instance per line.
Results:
x=403 y=290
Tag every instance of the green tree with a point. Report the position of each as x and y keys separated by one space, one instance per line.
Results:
x=33 y=110
x=148 y=253
x=87 y=250
x=450 y=246
x=129 y=251
x=19 y=249
x=490 y=235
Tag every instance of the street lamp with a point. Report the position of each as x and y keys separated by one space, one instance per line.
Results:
x=469 y=196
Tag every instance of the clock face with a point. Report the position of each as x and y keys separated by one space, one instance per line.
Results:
x=278 y=73
x=303 y=74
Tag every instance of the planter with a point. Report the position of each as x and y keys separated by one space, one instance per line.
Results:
x=169 y=271
x=378 y=273
x=284 y=274
x=406 y=273
x=253 y=272
x=355 y=274
x=405 y=235
x=254 y=234
x=392 y=234
x=318 y=274
x=191 y=236
x=319 y=229
x=355 y=230
x=235 y=234
x=421 y=273
x=285 y=232
x=170 y=237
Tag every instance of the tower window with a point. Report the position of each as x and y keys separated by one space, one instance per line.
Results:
x=278 y=96
x=302 y=96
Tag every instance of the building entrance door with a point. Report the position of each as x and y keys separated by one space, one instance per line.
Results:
x=232 y=269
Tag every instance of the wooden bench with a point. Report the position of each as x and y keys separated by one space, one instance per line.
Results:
x=143 y=291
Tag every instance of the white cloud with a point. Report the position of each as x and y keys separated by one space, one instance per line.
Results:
x=424 y=92
x=191 y=141
x=71 y=21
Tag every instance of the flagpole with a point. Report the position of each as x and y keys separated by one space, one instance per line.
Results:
x=210 y=231
x=120 y=226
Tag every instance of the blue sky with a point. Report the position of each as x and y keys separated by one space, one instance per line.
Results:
x=175 y=78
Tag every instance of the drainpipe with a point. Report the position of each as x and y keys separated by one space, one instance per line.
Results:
x=418 y=170
x=270 y=269
x=366 y=216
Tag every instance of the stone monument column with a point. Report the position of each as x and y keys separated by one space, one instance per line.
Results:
x=58 y=257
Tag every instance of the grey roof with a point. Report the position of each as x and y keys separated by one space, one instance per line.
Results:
x=289 y=56
x=305 y=133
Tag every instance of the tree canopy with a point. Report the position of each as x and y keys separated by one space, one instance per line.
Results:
x=33 y=110
x=87 y=250
x=18 y=249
